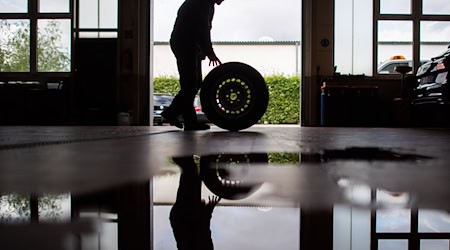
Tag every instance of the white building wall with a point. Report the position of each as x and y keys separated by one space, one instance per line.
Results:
x=275 y=58
x=267 y=59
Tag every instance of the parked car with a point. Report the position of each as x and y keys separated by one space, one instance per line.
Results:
x=431 y=95
x=432 y=81
x=388 y=67
x=160 y=103
x=201 y=117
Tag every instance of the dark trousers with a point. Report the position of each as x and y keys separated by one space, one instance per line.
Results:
x=190 y=69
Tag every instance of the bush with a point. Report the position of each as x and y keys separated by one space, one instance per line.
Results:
x=283 y=100
x=283 y=97
x=166 y=84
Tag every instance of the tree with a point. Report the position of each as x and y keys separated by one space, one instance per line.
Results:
x=15 y=47
x=17 y=207
x=51 y=55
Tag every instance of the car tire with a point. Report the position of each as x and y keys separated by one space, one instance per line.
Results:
x=217 y=179
x=234 y=96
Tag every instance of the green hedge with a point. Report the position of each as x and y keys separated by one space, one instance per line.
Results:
x=283 y=101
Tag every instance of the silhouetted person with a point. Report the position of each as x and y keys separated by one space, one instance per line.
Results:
x=191 y=43
x=190 y=216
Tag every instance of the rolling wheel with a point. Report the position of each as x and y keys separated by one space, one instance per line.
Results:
x=234 y=96
x=216 y=176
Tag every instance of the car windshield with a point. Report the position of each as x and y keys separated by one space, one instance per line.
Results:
x=162 y=99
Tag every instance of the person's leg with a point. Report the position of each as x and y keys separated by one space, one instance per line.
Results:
x=185 y=55
x=183 y=103
x=194 y=125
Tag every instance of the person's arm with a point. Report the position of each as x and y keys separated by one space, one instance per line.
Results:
x=208 y=207
x=204 y=35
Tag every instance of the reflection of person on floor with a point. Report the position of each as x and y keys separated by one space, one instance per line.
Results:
x=190 y=216
x=191 y=43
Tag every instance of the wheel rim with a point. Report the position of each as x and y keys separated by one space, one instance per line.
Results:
x=230 y=161
x=234 y=97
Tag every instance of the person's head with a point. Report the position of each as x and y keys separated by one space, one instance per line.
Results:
x=218 y=2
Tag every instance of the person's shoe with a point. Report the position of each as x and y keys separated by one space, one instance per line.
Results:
x=172 y=119
x=195 y=127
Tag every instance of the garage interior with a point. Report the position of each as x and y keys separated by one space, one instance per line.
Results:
x=78 y=148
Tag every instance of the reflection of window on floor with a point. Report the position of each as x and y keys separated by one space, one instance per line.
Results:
x=399 y=228
x=106 y=236
x=16 y=208
x=395 y=227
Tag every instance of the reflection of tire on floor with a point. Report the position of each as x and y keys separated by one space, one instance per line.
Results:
x=216 y=176
x=234 y=96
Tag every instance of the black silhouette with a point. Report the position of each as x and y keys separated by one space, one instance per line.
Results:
x=190 y=216
x=191 y=43
x=234 y=96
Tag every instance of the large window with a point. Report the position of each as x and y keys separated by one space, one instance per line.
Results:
x=35 y=36
x=409 y=32
x=374 y=36
x=97 y=19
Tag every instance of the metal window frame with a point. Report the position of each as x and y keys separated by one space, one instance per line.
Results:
x=33 y=15
x=413 y=237
x=77 y=30
x=416 y=17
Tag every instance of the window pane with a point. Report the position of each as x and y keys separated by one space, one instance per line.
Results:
x=433 y=221
x=392 y=245
x=436 y=7
x=54 y=42
x=353 y=37
x=395 y=6
x=13 y=6
x=434 y=245
x=438 y=31
x=14 y=45
x=111 y=34
x=108 y=14
x=98 y=14
x=393 y=221
x=103 y=34
x=55 y=6
x=434 y=38
x=88 y=14
x=394 y=39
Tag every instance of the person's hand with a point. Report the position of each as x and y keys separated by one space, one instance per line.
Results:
x=212 y=202
x=214 y=60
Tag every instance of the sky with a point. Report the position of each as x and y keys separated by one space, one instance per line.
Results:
x=238 y=20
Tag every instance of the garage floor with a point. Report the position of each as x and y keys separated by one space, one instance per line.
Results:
x=265 y=174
